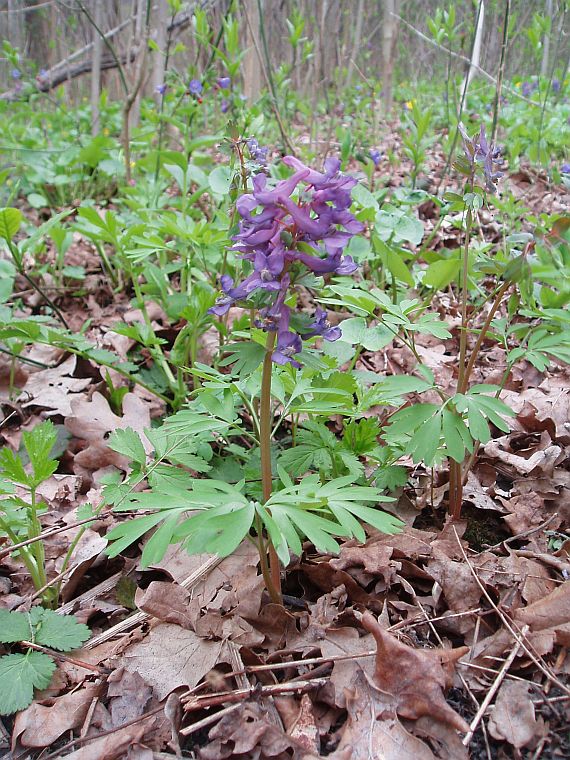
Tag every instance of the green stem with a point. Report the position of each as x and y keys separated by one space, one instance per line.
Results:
x=455 y=469
x=265 y=424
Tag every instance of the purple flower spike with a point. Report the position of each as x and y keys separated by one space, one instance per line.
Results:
x=225 y=106
x=160 y=89
x=288 y=344
x=15 y=73
x=565 y=169
x=224 y=83
x=288 y=227
x=195 y=87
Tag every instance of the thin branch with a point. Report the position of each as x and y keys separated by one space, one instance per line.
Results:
x=494 y=688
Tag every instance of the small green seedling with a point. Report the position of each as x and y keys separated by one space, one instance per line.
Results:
x=21 y=673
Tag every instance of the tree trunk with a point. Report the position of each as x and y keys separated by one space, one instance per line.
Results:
x=251 y=63
x=476 y=52
x=96 y=55
x=546 y=42
x=389 y=34
x=356 y=42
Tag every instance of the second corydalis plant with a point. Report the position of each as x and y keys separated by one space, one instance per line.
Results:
x=283 y=238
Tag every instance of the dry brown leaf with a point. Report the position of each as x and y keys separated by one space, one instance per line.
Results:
x=113 y=746
x=346 y=641
x=93 y=421
x=460 y=588
x=166 y=601
x=246 y=733
x=128 y=696
x=367 y=562
x=416 y=678
x=371 y=732
x=54 y=389
x=42 y=723
x=512 y=717
x=299 y=720
x=549 y=613
x=170 y=657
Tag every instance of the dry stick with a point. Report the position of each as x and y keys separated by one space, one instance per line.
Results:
x=205 y=722
x=60 y=656
x=239 y=695
x=515 y=632
x=524 y=534
x=493 y=690
x=45 y=534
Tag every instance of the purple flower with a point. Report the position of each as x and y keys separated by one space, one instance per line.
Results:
x=195 y=87
x=224 y=83
x=288 y=344
x=478 y=151
x=375 y=155
x=15 y=73
x=565 y=169
x=288 y=227
x=321 y=326
x=160 y=89
x=258 y=153
x=225 y=105
x=555 y=85
x=43 y=74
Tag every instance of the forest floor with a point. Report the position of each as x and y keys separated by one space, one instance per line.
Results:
x=448 y=640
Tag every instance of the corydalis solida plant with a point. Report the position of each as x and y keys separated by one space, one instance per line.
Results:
x=283 y=238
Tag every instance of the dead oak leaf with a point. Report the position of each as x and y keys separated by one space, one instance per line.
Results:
x=54 y=389
x=416 y=678
x=93 y=421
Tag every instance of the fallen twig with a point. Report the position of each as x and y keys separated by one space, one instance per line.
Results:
x=493 y=690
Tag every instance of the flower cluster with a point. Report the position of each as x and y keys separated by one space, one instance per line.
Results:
x=478 y=151
x=258 y=153
x=279 y=236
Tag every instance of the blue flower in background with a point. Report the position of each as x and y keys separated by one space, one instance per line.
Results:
x=375 y=155
x=195 y=87
x=15 y=73
x=565 y=169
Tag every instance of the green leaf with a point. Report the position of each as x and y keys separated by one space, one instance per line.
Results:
x=220 y=180
x=246 y=357
x=23 y=673
x=439 y=274
x=454 y=438
x=7 y=276
x=14 y=626
x=38 y=443
x=353 y=330
x=61 y=632
x=128 y=443
x=10 y=221
x=363 y=197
